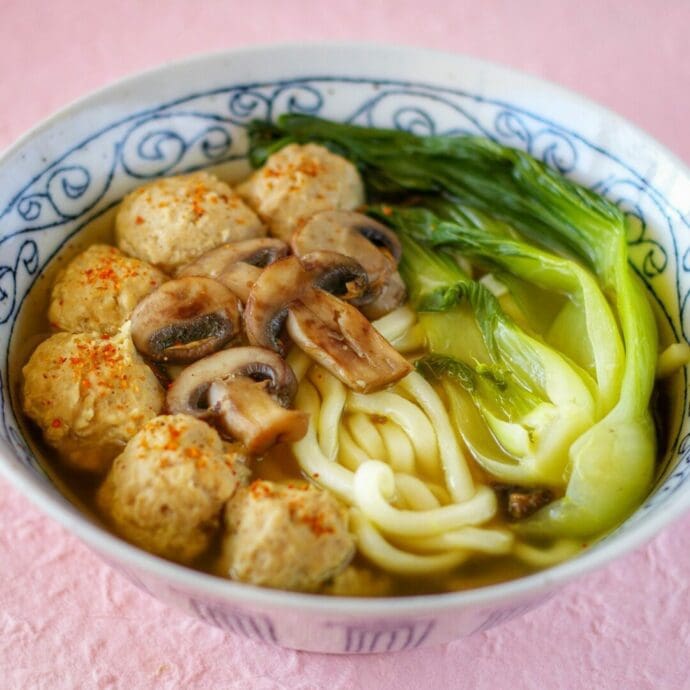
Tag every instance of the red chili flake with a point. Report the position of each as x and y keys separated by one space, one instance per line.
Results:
x=138 y=220
x=107 y=273
x=56 y=423
x=259 y=489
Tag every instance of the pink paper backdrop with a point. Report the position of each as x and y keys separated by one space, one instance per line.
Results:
x=68 y=621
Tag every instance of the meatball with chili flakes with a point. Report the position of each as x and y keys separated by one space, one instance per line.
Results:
x=166 y=491
x=299 y=181
x=98 y=290
x=89 y=394
x=173 y=220
x=288 y=537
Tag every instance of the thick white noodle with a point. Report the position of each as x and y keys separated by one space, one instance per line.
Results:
x=440 y=492
x=379 y=551
x=455 y=468
x=374 y=487
x=412 y=340
x=365 y=434
x=370 y=451
x=396 y=323
x=299 y=362
x=415 y=493
x=333 y=395
x=493 y=541
x=351 y=455
x=311 y=459
x=409 y=417
x=399 y=450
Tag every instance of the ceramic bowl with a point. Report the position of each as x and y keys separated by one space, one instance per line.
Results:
x=78 y=164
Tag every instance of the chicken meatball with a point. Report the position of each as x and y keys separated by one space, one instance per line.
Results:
x=299 y=181
x=98 y=290
x=166 y=490
x=171 y=221
x=89 y=394
x=286 y=537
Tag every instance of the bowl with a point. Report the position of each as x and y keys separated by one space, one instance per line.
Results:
x=76 y=166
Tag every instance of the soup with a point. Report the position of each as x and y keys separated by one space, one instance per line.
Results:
x=274 y=387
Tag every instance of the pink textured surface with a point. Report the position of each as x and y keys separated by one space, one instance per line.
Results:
x=68 y=621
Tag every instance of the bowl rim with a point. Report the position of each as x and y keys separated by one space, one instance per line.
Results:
x=109 y=546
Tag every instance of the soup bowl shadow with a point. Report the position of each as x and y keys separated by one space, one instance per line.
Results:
x=74 y=168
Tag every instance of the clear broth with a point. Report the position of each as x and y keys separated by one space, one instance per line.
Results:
x=279 y=464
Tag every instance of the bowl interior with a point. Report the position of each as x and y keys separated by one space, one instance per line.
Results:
x=77 y=166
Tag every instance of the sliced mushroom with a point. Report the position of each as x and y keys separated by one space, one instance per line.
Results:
x=337 y=336
x=244 y=391
x=330 y=330
x=185 y=319
x=372 y=244
x=393 y=294
x=286 y=280
x=237 y=265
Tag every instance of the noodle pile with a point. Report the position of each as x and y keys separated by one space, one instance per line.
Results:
x=395 y=460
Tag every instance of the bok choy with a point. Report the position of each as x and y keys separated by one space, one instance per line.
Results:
x=611 y=464
x=532 y=399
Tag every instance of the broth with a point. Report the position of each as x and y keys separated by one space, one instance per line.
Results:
x=279 y=464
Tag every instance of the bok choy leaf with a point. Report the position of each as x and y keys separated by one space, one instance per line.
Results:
x=532 y=399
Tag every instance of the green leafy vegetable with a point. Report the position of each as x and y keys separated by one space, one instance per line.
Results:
x=535 y=403
x=612 y=463
x=599 y=351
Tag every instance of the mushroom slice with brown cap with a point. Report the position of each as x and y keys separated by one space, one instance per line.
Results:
x=286 y=280
x=185 y=319
x=376 y=247
x=238 y=264
x=244 y=391
x=391 y=297
x=330 y=330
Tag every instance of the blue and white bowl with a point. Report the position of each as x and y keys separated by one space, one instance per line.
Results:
x=77 y=165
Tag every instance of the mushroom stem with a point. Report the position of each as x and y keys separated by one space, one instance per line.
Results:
x=338 y=337
x=239 y=278
x=245 y=391
x=247 y=412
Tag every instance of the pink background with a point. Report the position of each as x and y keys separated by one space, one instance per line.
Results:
x=68 y=621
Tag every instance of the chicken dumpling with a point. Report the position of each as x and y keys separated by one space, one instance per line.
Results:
x=288 y=537
x=173 y=220
x=98 y=290
x=89 y=394
x=299 y=181
x=166 y=490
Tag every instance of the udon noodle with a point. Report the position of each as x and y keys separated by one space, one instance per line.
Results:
x=414 y=505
